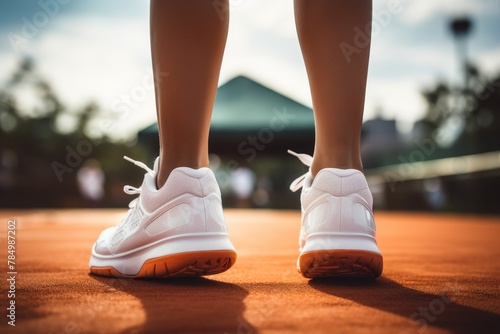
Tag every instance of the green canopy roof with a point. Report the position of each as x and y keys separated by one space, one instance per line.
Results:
x=244 y=105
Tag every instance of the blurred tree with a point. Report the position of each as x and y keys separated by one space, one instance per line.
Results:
x=482 y=118
x=459 y=121
x=43 y=145
x=470 y=116
x=438 y=101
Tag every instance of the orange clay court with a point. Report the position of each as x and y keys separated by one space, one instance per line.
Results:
x=441 y=275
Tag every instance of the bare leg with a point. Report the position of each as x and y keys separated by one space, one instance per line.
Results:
x=337 y=86
x=187 y=43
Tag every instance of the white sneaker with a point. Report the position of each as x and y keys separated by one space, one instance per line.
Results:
x=337 y=236
x=178 y=230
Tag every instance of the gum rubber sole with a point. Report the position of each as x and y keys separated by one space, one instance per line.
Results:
x=198 y=263
x=340 y=263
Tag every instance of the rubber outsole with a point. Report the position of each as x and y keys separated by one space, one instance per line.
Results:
x=340 y=263
x=198 y=263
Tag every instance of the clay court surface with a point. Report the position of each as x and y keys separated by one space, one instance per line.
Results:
x=441 y=275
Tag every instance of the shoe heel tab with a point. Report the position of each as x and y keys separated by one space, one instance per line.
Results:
x=206 y=182
x=340 y=182
x=327 y=174
x=191 y=172
x=340 y=172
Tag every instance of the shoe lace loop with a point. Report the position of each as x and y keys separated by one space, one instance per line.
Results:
x=142 y=165
x=129 y=190
x=307 y=160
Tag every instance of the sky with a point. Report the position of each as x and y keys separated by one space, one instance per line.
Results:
x=99 y=50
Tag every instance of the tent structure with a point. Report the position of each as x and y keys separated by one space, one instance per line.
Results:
x=249 y=119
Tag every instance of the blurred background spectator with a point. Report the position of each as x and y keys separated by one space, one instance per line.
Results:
x=91 y=182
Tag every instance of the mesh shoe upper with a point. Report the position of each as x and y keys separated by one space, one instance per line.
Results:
x=189 y=202
x=335 y=201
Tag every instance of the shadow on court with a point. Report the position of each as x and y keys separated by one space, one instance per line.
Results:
x=422 y=309
x=187 y=305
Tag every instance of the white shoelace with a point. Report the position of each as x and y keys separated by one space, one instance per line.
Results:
x=129 y=190
x=307 y=160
